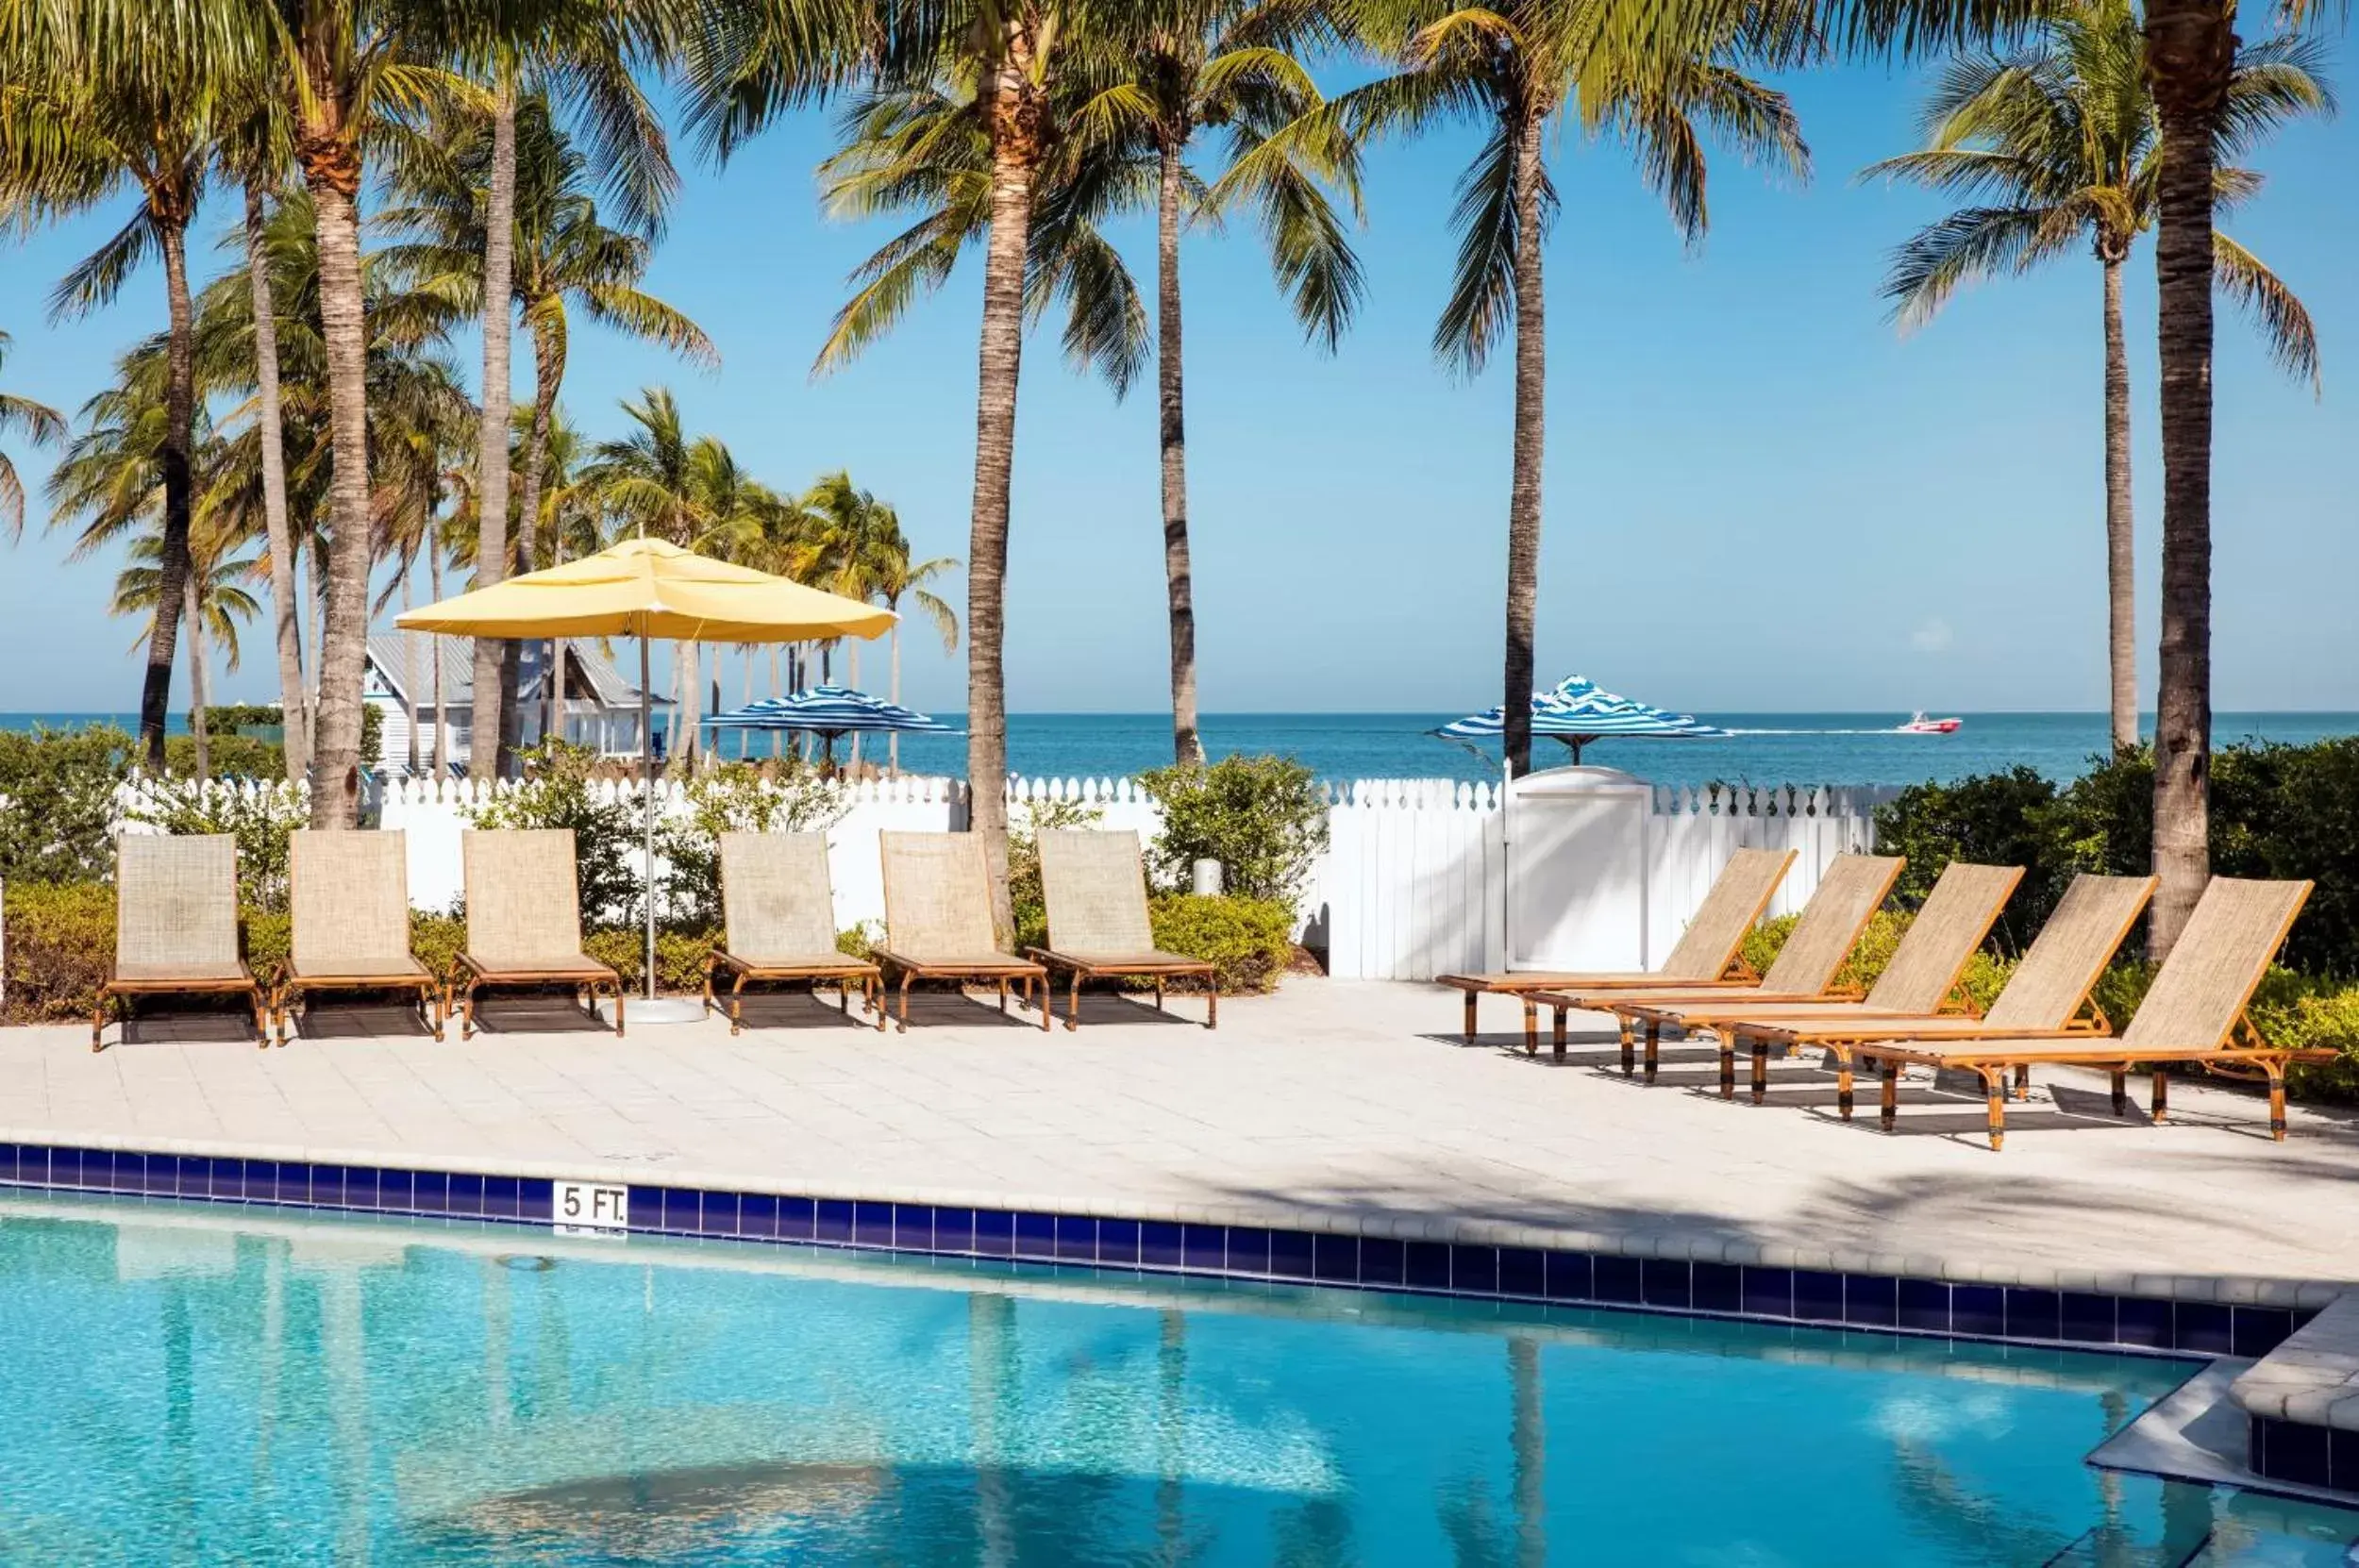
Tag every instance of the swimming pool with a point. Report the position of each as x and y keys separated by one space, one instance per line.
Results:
x=189 y=1386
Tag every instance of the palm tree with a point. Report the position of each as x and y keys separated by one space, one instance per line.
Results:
x=2056 y=146
x=689 y=491
x=213 y=600
x=897 y=578
x=853 y=545
x=98 y=102
x=1238 y=66
x=1654 y=73
x=38 y=424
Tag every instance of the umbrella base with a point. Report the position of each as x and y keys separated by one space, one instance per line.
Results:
x=662 y=1009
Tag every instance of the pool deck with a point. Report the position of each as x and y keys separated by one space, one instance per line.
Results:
x=1332 y=1107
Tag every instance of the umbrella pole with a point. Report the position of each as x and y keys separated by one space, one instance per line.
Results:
x=646 y=767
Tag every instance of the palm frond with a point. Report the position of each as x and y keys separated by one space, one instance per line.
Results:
x=2283 y=321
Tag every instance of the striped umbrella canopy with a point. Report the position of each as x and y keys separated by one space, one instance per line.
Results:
x=1579 y=712
x=828 y=711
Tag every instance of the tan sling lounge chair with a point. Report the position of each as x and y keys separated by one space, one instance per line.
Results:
x=1705 y=955
x=1850 y=892
x=523 y=921
x=778 y=911
x=2194 y=1011
x=937 y=897
x=1918 y=982
x=349 y=895
x=2047 y=997
x=1095 y=889
x=176 y=926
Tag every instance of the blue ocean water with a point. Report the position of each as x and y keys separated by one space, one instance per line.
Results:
x=1769 y=748
x=266 y=1388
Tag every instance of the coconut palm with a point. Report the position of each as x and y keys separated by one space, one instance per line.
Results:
x=853 y=545
x=37 y=422
x=2054 y=144
x=213 y=599
x=998 y=78
x=98 y=102
x=1238 y=67
x=1657 y=75
x=897 y=578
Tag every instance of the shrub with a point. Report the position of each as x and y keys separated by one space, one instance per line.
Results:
x=679 y=956
x=737 y=797
x=228 y=757
x=1984 y=975
x=58 y=803
x=2006 y=819
x=257 y=816
x=1249 y=940
x=1262 y=818
x=61 y=946
x=437 y=940
x=1025 y=893
x=558 y=792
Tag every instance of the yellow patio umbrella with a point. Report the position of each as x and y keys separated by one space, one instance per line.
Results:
x=647 y=589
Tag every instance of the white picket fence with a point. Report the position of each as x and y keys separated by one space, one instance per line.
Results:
x=1413 y=882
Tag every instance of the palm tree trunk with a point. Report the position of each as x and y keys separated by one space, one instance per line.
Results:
x=1523 y=496
x=1016 y=119
x=333 y=174
x=2190 y=52
x=409 y=682
x=193 y=614
x=294 y=711
x=851 y=678
x=893 y=741
x=491 y=752
x=548 y=365
x=172 y=573
x=2120 y=529
x=434 y=586
x=1187 y=746
x=689 y=735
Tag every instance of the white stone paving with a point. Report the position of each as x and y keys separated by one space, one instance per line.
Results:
x=1332 y=1105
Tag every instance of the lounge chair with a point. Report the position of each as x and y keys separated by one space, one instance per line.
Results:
x=350 y=895
x=523 y=921
x=1095 y=889
x=2194 y=1012
x=176 y=926
x=1919 y=981
x=1706 y=953
x=2048 y=997
x=777 y=910
x=1850 y=892
x=937 y=895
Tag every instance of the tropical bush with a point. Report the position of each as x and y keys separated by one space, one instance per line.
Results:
x=57 y=802
x=1249 y=940
x=559 y=791
x=1025 y=893
x=1986 y=973
x=1262 y=818
x=258 y=816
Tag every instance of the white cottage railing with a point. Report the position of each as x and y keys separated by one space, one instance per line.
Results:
x=1413 y=883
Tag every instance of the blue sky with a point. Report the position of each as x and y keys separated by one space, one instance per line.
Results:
x=1759 y=496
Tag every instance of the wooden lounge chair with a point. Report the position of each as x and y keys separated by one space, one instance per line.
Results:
x=349 y=896
x=1850 y=892
x=1095 y=889
x=2047 y=997
x=2194 y=1012
x=1918 y=982
x=1706 y=953
x=778 y=910
x=523 y=921
x=176 y=926
x=937 y=897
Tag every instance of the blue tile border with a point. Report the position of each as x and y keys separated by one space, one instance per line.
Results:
x=1884 y=1303
x=2303 y=1454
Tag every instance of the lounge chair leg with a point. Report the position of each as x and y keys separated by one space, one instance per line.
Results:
x=618 y=1010
x=466 y=1011
x=1995 y=1092
x=1212 y=1004
x=1159 y=994
x=1761 y=1073
x=1728 y=1067
x=906 y=978
x=2277 y=1099
x=1630 y=1048
x=2121 y=1094
x=2161 y=1096
x=1072 y=1001
x=1556 y=1034
x=1842 y=1086
x=872 y=990
x=1003 y=995
x=1889 y=1073
x=1532 y=1027
x=737 y=1006
x=1471 y=997
x=1655 y=1047
x=98 y=1022
x=709 y=1003
x=2023 y=1080
x=1048 y=1004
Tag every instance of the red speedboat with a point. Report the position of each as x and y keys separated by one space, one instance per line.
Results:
x=1919 y=725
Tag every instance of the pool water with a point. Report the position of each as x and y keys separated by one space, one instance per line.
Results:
x=191 y=1385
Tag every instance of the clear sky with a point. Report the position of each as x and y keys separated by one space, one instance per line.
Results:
x=1759 y=497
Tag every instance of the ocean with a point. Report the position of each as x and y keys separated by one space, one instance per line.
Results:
x=1769 y=748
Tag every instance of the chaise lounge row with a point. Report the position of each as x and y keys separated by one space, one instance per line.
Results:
x=177 y=923
x=1915 y=1014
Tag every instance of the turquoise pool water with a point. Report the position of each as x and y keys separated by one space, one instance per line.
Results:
x=187 y=1386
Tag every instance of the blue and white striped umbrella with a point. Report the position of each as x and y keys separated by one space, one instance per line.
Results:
x=1579 y=712
x=828 y=711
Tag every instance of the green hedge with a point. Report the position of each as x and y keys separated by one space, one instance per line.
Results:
x=1249 y=940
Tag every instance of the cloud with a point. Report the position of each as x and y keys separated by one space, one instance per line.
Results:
x=1934 y=636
